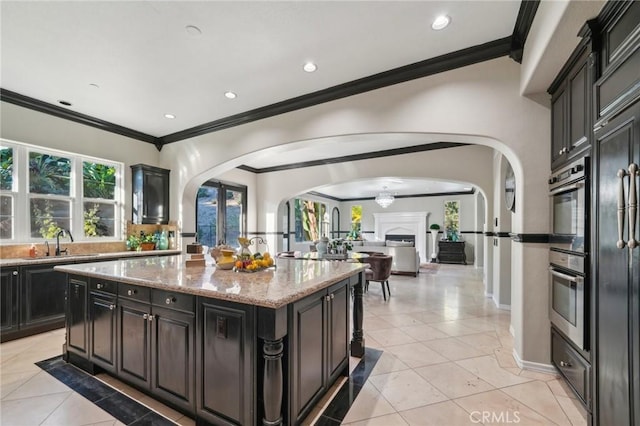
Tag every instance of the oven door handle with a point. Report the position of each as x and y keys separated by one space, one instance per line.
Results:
x=566 y=188
x=574 y=279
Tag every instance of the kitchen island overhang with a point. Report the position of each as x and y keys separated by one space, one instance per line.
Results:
x=285 y=332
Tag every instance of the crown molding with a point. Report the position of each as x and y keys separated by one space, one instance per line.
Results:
x=527 y=12
x=461 y=58
x=354 y=157
x=56 y=111
x=435 y=194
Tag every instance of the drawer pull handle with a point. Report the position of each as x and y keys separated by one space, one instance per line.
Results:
x=170 y=300
x=145 y=316
x=633 y=206
x=565 y=364
x=15 y=273
x=150 y=317
x=326 y=298
x=131 y=292
x=332 y=296
x=112 y=307
x=99 y=286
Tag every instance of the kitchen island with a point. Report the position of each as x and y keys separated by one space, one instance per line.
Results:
x=224 y=347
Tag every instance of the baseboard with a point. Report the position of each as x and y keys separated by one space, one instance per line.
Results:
x=504 y=307
x=534 y=366
x=488 y=295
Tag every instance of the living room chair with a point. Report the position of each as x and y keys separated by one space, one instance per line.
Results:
x=379 y=270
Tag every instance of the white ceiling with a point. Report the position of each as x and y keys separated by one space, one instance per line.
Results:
x=130 y=62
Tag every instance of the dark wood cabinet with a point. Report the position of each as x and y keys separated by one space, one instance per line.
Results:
x=225 y=364
x=319 y=321
x=42 y=298
x=571 y=95
x=156 y=349
x=102 y=323
x=9 y=278
x=77 y=315
x=173 y=348
x=451 y=252
x=150 y=194
x=617 y=272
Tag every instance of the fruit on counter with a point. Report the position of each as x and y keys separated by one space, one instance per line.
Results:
x=254 y=262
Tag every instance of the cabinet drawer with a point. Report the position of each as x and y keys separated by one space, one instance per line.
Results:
x=134 y=292
x=571 y=365
x=104 y=286
x=173 y=300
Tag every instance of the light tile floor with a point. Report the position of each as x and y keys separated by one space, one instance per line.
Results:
x=447 y=361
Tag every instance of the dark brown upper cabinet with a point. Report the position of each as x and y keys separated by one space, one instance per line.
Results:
x=571 y=94
x=150 y=194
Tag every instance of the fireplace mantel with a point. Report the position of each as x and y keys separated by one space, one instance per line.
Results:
x=413 y=223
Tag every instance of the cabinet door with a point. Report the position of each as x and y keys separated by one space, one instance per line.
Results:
x=9 y=299
x=579 y=123
x=43 y=292
x=338 y=328
x=77 y=315
x=617 y=277
x=558 y=133
x=309 y=346
x=134 y=342
x=102 y=320
x=173 y=356
x=225 y=366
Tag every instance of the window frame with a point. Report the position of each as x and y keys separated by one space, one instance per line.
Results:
x=22 y=196
x=221 y=218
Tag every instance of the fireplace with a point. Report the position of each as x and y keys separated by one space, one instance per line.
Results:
x=406 y=225
x=401 y=237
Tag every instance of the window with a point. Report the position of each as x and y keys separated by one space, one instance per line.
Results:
x=7 y=193
x=220 y=213
x=356 y=222
x=308 y=219
x=43 y=191
x=452 y=219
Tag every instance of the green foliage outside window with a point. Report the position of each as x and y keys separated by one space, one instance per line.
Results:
x=6 y=168
x=49 y=174
x=356 y=222
x=452 y=219
x=98 y=180
x=308 y=219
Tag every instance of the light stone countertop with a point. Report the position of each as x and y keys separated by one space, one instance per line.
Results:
x=291 y=280
x=43 y=260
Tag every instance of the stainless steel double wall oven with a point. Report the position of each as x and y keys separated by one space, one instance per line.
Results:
x=569 y=252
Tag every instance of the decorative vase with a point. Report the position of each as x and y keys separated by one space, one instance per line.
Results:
x=321 y=247
x=434 y=239
x=163 y=241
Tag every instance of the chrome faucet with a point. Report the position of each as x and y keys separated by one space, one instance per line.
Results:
x=62 y=232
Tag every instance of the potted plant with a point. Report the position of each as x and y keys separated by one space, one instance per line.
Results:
x=434 y=229
x=147 y=241
x=133 y=243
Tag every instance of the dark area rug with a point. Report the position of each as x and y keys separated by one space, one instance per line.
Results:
x=131 y=412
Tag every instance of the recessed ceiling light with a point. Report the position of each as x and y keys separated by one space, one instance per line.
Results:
x=171 y=116
x=65 y=103
x=230 y=95
x=310 y=67
x=441 y=22
x=193 y=31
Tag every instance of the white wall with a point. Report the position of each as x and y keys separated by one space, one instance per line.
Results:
x=36 y=128
x=434 y=206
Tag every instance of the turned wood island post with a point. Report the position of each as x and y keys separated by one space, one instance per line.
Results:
x=260 y=348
